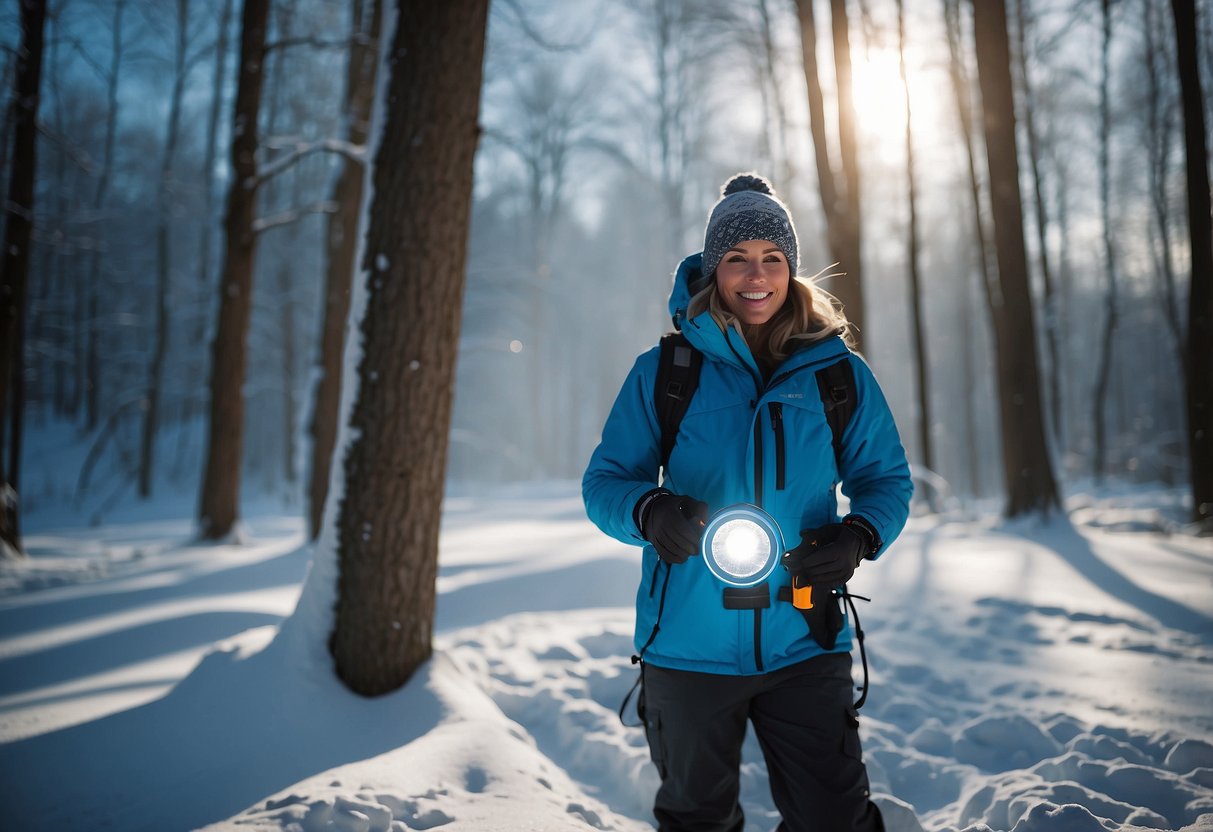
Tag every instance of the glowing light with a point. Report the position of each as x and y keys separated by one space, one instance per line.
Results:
x=741 y=545
x=515 y=346
x=741 y=548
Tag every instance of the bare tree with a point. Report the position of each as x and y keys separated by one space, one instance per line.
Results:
x=1027 y=472
x=1161 y=115
x=414 y=262
x=1199 y=370
x=183 y=62
x=341 y=246
x=1111 y=313
x=208 y=162
x=1053 y=371
x=839 y=184
x=961 y=88
x=88 y=364
x=14 y=260
x=921 y=363
x=220 y=496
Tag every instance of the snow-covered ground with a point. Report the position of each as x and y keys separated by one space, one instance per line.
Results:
x=1028 y=677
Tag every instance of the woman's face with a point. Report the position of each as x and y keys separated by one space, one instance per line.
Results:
x=752 y=280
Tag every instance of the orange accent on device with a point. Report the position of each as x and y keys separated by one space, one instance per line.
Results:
x=802 y=595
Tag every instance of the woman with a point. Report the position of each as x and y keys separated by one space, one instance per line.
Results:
x=755 y=432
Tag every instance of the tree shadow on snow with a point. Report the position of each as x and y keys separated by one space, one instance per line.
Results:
x=1061 y=536
x=234 y=731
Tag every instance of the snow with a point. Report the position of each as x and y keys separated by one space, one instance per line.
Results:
x=1034 y=677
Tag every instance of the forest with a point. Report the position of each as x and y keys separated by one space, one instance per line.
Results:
x=605 y=131
x=311 y=314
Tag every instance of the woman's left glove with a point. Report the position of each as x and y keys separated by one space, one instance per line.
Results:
x=827 y=556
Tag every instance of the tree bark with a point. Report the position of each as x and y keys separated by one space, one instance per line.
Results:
x=414 y=262
x=14 y=259
x=1027 y=472
x=1199 y=387
x=839 y=188
x=220 y=497
x=341 y=247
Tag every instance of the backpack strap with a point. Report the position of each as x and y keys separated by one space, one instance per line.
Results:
x=836 y=384
x=677 y=378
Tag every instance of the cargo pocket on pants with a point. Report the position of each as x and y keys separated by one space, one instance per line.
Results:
x=850 y=735
x=652 y=733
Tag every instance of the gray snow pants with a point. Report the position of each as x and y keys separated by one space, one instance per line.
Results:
x=805 y=723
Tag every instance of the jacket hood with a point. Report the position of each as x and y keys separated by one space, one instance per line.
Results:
x=705 y=335
x=688 y=280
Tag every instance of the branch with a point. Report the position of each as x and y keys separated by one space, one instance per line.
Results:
x=531 y=32
x=291 y=215
x=354 y=152
x=309 y=40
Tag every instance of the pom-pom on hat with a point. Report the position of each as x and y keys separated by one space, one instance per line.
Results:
x=748 y=210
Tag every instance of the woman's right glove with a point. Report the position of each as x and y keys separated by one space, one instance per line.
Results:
x=673 y=523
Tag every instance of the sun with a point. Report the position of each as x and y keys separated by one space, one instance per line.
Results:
x=880 y=101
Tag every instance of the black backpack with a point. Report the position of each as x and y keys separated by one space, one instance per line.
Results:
x=678 y=377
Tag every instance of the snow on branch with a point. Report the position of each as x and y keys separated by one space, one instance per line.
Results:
x=353 y=152
x=291 y=215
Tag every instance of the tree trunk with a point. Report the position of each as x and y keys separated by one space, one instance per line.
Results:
x=87 y=294
x=1159 y=136
x=14 y=259
x=286 y=319
x=208 y=169
x=1026 y=468
x=1100 y=403
x=1200 y=293
x=414 y=262
x=1053 y=371
x=220 y=497
x=155 y=375
x=840 y=197
x=921 y=364
x=768 y=63
x=341 y=247
x=964 y=111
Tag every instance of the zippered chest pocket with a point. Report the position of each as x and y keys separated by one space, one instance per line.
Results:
x=776 y=411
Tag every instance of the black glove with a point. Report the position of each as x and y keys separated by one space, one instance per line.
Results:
x=827 y=556
x=672 y=522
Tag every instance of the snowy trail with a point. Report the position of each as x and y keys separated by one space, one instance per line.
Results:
x=1035 y=678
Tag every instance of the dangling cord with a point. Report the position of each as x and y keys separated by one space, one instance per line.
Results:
x=863 y=653
x=665 y=584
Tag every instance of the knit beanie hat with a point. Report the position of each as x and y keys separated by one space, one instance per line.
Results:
x=748 y=210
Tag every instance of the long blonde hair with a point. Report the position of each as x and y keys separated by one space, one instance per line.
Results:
x=810 y=314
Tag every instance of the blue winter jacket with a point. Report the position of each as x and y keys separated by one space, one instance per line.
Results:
x=742 y=441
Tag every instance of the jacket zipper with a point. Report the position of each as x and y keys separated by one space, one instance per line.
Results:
x=776 y=409
x=758 y=640
x=758 y=462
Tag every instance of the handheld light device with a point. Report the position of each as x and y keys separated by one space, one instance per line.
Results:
x=741 y=545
